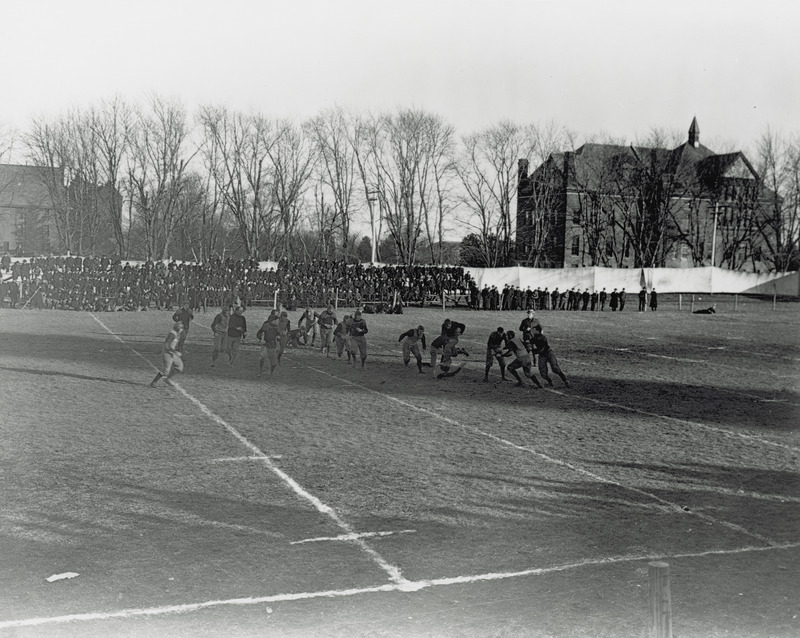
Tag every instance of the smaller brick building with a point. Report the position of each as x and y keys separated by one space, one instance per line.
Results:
x=26 y=208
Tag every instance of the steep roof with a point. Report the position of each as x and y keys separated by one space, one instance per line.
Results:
x=603 y=166
x=728 y=165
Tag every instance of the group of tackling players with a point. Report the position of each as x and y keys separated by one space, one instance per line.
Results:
x=349 y=336
x=523 y=347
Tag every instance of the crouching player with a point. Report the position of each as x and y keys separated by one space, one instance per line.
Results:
x=494 y=352
x=546 y=355
x=269 y=332
x=410 y=341
x=449 y=350
x=522 y=358
x=170 y=354
x=449 y=330
x=296 y=336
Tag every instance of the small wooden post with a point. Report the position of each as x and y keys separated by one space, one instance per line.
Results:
x=735 y=303
x=774 y=301
x=692 y=309
x=275 y=300
x=680 y=301
x=660 y=601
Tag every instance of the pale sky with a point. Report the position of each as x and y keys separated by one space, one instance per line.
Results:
x=618 y=67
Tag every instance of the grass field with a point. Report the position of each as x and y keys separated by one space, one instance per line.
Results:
x=333 y=501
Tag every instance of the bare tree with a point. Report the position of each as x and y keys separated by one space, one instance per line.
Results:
x=65 y=152
x=157 y=168
x=436 y=181
x=8 y=138
x=332 y=132
x=293 y=157
x=237 y=151
x=488 y=169
x=597 y=170
x=649 y=193
x=778 y=160
x=363 y=141
x=111 y=125
x=410 y=150
x=540 y=199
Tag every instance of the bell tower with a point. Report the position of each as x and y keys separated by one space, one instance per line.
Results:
x=694 y=133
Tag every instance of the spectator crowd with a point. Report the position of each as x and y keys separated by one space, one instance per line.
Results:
x=107 y=284
x=515 y=298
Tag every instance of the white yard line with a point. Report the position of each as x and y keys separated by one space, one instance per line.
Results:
x=701 y=361
x=748 y=437
x=394 y=573
x=407 y=586
x=669 y=505
x=349 y=537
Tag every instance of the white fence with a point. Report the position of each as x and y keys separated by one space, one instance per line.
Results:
x=667 y=280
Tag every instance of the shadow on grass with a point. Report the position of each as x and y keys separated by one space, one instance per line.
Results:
x=769 y=482
x=758 y=409
x=762 y=501
x=53 y=373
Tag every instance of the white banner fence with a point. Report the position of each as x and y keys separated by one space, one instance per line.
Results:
x=706 y=280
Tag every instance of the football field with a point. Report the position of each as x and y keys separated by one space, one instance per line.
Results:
x=328 y=500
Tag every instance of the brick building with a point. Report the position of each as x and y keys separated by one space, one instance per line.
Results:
x=630 y=206
x=26 y=208
x=40 y=213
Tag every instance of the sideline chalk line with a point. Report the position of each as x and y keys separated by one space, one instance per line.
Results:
x=706 y=362
x=395 y=575
x=670 y=506
x=407 y=586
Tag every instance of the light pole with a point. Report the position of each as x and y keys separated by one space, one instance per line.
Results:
x=373 y=196
x=714 y=237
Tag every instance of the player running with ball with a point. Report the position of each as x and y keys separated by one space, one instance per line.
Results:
x=170 y=354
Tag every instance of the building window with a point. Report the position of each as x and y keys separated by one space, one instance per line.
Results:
x=576 y=245
x=609 y=249
x=576 y=216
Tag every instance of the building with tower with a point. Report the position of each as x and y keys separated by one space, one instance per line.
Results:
x=632 y=206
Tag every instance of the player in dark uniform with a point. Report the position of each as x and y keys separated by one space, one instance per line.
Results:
x=449 y=330
x=270 y=349
x=546 y=356
x=237 y=330
x=494 y=352
x=522 y=358
x=327 y=324
x=220 y=329
x=341 y=337
x=450 y=350
x=358 y=339
x=184 y=315
x=411 y=340
x=527 y=326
